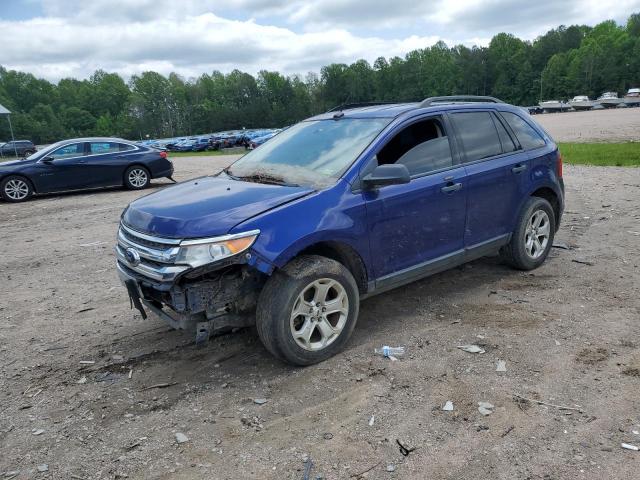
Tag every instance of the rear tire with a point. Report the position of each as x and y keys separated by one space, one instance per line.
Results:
x=307 y=311
x=533 y=237
x=136 y=178
x=15 y=188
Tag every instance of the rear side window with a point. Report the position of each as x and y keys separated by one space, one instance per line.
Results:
x=97 y=148
x=528 y=137
x=124 y=147
x=422 y=147
x=505 y=138
x=478 y=134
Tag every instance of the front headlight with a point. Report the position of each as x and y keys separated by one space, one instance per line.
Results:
x=201 y=252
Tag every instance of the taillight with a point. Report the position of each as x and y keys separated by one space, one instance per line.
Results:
x=559 y=164
x=163 y=154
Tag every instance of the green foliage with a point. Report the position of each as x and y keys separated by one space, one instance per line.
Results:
x=565 y=61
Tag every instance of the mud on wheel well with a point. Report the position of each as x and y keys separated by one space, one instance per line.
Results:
x=344 y=254
x=551 y=197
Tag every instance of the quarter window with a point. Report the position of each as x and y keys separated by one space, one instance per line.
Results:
x=98 y=148
x=422 y=147
x=528 y=137
x=505 y=138
x=69 y=151
x=478 y=134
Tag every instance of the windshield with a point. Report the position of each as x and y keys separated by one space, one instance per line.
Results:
x=314 y=152
x=45 y=151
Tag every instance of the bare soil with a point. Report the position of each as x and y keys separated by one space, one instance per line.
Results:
x=568 y=333
x=612 y=125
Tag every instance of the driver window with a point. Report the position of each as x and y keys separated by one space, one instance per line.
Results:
x=422 y=147
x=68 y=151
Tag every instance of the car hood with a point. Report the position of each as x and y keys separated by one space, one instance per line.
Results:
x=205 y=207
x=15 y=163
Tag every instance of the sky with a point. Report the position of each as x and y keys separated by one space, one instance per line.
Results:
x=56 y=39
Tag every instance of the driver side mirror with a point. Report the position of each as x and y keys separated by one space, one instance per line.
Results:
x=390 y=174
x=48 y=160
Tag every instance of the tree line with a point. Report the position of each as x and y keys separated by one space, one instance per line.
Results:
x=566 y=61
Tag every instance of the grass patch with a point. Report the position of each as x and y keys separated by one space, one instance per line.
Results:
x=602 y=154
x=213 y=153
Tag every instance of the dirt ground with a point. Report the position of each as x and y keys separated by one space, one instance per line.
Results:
x=613 y=125
x=567 y=332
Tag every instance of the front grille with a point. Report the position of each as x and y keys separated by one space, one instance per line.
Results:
x=143 y=241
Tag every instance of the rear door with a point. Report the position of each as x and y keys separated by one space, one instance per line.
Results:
x=106 y=163
x=496 y=170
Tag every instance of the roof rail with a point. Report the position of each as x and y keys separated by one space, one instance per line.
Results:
x=347 y=106
x=427 y=102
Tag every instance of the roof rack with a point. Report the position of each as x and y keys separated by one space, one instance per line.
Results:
x=347 y=106
x=427 y=102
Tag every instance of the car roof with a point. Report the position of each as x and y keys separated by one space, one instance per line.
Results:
x=97 y=139
x=397 y=109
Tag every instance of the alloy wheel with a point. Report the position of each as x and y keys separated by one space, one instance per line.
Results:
x=537 y=234
x=16 y=189
x=319 y=314
x=138 y=177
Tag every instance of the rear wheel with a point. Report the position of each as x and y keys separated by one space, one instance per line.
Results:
x=308 y=310
x=136 y=178
x=16 y=189
x=533 y=237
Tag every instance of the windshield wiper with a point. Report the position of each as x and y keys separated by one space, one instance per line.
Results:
x=265 y=178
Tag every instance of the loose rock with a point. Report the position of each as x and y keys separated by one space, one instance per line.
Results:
x=471 y=348
x=181 y=438
x=448 y=406
x=485 y=408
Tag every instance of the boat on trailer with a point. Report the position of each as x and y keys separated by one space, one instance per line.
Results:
x=551 y=106
x=610 y=100
x=632 y=98
x=581 y=102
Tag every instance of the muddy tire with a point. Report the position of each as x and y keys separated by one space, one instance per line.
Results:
x=533 y=237
x=307 y=310
x=15 y=188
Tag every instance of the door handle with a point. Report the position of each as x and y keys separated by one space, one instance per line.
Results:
x=519 y=168
x=451 y=188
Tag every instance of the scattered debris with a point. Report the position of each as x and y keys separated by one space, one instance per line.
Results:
x=501 y=366
x=82 y=380
x=485 y=408
x=391 y=467
x=38 y=431
x=557 y=343
x=583 y=262
x=87 y=362
x=260 y=401
x=181 y=438
x=327 y=435
x=372 y=420
x=508 y=431
x=85 y=310
x=561 y=407
x=628 y=446
x=448 y=406
x=472 y=348
x=561 y=245
x=390 y=352
x=160 y=385
x=43 y=468
x=635 y=432
x=130 y=373
x=404 y=450
x=308 y=464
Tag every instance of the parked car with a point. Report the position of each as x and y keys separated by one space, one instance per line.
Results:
x=256 y=142
x=336 y=209
x=83 y=163
x=22 y=148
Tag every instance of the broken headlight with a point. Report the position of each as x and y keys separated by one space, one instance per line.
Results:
x=208 y=250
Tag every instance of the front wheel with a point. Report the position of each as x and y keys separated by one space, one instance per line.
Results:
x=16 y=189
x=136 y=178
x=308 y=310
x=533 y=237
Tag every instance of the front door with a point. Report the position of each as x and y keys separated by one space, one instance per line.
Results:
x=415 y=225
x=65 y=172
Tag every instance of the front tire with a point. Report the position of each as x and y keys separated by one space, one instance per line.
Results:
x=533 y=237
x=15 y=188
x=136 y=178
x=307 y=311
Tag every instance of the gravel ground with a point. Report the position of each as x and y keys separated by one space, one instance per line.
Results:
x=567 y=332
x=613 y=125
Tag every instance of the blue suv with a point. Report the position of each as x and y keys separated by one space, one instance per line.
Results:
x=354 y=202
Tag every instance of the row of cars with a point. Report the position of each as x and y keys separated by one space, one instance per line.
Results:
x=248 y=139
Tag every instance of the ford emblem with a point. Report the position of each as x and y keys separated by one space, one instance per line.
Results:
x=132 y=255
